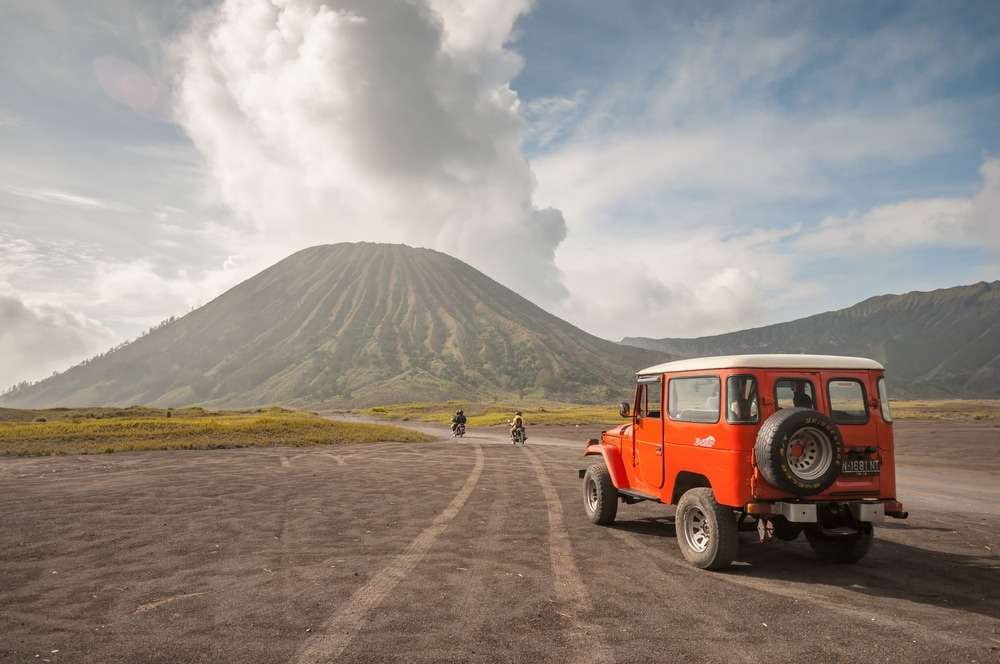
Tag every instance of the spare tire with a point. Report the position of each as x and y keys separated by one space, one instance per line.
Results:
x=799 y=450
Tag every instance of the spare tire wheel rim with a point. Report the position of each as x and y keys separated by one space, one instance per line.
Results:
x=696 y=531
x=809 y=453
x=592 y=495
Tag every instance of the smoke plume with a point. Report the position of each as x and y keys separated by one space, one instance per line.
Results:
x=371 y=120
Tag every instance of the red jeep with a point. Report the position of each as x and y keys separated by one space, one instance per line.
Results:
x=780 y=443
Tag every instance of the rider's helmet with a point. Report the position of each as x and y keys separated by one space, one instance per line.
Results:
x=461 y=412
x=518 y=413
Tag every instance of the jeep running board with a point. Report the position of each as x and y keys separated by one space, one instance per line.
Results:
x=633 y=496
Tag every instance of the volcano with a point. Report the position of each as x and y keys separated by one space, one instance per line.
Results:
x=353 y=324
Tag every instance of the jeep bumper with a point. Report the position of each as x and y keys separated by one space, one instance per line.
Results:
x=872 y=511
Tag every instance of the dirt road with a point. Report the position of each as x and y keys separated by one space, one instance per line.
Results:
x=468 y=550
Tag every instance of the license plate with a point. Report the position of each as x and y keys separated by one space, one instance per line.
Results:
x=860 y=467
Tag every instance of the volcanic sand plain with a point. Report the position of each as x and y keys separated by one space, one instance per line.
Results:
x=469 y=550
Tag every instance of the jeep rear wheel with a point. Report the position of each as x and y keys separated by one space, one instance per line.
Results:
x=799 y=450
x=600 y=497
x=707 y=533
x=785 y=530
x=838 y=548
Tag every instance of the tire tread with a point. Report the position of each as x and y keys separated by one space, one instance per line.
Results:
x=727 y=537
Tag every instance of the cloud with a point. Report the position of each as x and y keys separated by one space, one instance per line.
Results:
x=704 y=280
x=136 y=292
x=8 y=119
x=391 y=121
x=127 y=294
x=716 y=279
x=549 y=118
x=40 y=338
x=127 y=83
x=65 y=198
x=752 y=157
x=910 y=223
x=984 y=217
x=919 y=222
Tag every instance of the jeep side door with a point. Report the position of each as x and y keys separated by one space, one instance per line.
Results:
x=648 y=431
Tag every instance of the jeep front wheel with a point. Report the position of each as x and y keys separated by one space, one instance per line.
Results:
x=600 y=497
x=706 y=531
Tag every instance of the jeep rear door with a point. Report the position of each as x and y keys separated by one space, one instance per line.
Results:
x=848 y=401
x=648 y=431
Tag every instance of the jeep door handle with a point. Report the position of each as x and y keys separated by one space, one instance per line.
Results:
x=659 y=450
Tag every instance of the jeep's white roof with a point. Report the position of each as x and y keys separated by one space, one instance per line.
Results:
x=773 y=361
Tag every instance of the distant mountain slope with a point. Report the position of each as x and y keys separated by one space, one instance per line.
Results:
x=352 y=324
x=945 y=343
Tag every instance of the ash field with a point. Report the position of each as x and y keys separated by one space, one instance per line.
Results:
x=469 y=551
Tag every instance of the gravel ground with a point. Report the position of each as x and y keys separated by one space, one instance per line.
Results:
x=469 y=551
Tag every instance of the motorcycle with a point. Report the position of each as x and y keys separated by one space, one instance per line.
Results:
x=458 y=431
x=518 y=436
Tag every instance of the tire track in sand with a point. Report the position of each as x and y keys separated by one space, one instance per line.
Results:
x=472 y=612
x=569 y=589
x=330 y=640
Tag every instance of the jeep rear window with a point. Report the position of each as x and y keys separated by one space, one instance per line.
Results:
x=847 y=401
x=694 y=399
x=742 y=401
x=794 y=393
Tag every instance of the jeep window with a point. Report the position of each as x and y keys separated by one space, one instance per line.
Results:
x=794 y=393
x=654 y=398
x=742 y=401
x=650 y=398
x=883 y=399
x=847 y=401
x=694 y=399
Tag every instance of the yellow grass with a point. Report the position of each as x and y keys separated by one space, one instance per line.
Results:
x=495 y=414
x=153 y=430
x=952 y=409
x=104 y=412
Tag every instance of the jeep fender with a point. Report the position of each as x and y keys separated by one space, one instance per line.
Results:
x=612 y=459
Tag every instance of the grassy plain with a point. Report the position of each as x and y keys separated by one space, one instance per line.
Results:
x=947 y=409
x=480 y=414
x=103 y=430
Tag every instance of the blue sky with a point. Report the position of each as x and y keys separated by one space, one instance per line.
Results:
x=659 y=168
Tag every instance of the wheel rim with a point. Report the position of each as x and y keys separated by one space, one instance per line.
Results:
x=697 y=533
x=809 y=453
x=592 y=498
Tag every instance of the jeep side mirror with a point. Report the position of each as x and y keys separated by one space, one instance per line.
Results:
x=624 y=410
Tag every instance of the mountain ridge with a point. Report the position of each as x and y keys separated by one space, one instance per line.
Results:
x=943 y=343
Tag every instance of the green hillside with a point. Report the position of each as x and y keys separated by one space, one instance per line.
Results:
x=940 y=344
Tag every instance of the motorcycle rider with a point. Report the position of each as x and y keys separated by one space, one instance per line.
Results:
x=517 y=423
x=457 y=418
